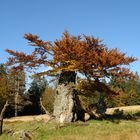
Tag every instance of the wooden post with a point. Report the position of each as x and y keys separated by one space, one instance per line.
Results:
x=1 y=116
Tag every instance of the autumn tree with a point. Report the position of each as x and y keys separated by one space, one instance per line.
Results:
x=17 y=78
x=128 y=89
x=8 y=88
x=12 y=85
x=67 y=56
x=5 y=92
x=3 y=83
x=6 y=85
x=2 y=115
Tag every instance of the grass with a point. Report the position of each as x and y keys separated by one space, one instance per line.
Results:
x=96 y=130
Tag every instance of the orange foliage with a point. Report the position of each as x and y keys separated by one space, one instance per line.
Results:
x=84 y=54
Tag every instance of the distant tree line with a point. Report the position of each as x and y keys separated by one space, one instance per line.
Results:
x=29 y=101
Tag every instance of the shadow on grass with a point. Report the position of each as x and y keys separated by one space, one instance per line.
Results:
x=119 y=115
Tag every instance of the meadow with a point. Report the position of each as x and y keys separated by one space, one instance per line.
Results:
x=90 y=130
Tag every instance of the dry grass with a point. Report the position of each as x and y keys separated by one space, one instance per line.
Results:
x=29 y=118
x=125 y=109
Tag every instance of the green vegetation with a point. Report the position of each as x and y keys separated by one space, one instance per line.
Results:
x=94 y=130
x=128 y=91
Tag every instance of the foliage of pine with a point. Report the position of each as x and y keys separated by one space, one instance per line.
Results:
x=35 y=92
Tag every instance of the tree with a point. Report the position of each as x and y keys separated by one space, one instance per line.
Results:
x=12 y=84
x=128 y=90
x=69 y=55
x=35 y=92
x=17 y=78
x=48 y=98
x=3 y=85
x=6 y=85
x=19 y=87
x=5 y=92
x=1 y=116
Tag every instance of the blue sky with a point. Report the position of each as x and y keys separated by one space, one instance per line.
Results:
x=117 y=22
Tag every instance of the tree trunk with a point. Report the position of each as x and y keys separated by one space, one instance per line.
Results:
x=1 y=116
x=101 y=106
x=16 y=97
x=42 y=106
x=103 y=90
x=67 y=106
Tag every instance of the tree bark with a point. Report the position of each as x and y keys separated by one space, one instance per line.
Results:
x=101 y=106
x=16 y=98
x=1 y=116
x=67 y=106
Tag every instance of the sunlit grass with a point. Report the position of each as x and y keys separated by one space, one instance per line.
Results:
x=96 y=130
